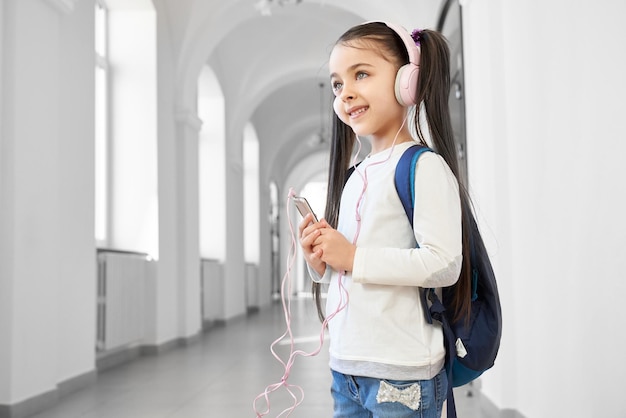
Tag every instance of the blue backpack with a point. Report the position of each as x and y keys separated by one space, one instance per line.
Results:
x=478 y=336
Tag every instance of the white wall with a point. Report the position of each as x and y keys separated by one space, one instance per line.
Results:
x=77 y=274
x=46 y=198
x=6 y=290
x=546 y=145
x=36 y=203
x=163 y=299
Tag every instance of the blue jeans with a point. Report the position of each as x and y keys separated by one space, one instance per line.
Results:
x=365 y=397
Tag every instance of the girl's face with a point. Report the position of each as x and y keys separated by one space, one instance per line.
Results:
x=363 y=83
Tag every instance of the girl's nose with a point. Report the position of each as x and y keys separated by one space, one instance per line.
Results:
x=346 y=93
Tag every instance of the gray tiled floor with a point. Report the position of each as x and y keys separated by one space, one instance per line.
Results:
x=220 y=375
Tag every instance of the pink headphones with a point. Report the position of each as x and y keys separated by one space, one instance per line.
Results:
x=406 y=78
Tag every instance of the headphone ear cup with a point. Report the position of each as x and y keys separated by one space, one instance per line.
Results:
x=406 y=84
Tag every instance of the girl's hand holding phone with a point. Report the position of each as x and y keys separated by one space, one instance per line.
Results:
x=309 y=230
x=334 y=249
x=323 y=245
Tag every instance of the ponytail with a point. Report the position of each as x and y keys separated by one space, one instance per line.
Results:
x=341 y=148
x=433 y=89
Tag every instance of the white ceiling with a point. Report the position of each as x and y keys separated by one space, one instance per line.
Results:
x=270 y=67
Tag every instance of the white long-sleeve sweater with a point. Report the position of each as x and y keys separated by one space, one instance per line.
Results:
x=382 y=332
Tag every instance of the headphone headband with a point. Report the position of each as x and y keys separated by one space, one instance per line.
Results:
x=406 y=79
x=409 y=44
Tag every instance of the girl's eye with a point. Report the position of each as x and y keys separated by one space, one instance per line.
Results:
x=336 y=85
x=360 y=75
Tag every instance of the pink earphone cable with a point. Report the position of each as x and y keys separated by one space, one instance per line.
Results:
x=364 y=177
x=285 y=293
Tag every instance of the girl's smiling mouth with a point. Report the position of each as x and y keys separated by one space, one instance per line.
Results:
x=356 y=112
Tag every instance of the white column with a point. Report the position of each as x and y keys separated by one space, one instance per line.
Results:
x=30 y=234
x=47 y=253
x=162 y=301
x=77 y=252
x=188 y=239
x=234 y=265
x=6 y=198
x=265 y=233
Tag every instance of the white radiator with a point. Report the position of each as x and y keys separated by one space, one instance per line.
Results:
x=212 y=276
x=122 y=279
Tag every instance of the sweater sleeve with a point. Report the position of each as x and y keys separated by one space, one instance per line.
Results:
x=317 y=278
x=437 y=230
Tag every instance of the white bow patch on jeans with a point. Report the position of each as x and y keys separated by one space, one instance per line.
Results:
x=409 y=396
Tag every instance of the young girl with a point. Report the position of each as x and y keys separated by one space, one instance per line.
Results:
x=386 y=360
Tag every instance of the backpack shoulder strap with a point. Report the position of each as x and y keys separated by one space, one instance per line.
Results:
x=350 y=171
x=405 y=186
x=405 y=178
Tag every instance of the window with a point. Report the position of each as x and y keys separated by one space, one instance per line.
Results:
x=212 y=167
x=126 y=184
x=251 y=196
x=101 y=123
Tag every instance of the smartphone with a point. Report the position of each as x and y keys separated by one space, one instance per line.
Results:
x=303 y=207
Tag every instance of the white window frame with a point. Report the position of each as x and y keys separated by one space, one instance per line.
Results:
x=102 y=129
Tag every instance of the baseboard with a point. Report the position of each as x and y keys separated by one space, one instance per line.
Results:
x=489 y=409
x=109 y=359
x=43 y=401
x=156 y=349
x=511 y=413
x=190 y=340
x=209 y=324
x=114 y=358
x=153 y=350
x=30 y=406
x=69 y=386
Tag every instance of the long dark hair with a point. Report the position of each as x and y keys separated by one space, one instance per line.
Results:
x=433 y=87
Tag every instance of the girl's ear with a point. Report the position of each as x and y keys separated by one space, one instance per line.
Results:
x=338 y=108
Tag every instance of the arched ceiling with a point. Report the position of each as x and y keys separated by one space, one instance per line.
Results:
x=270 y=67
